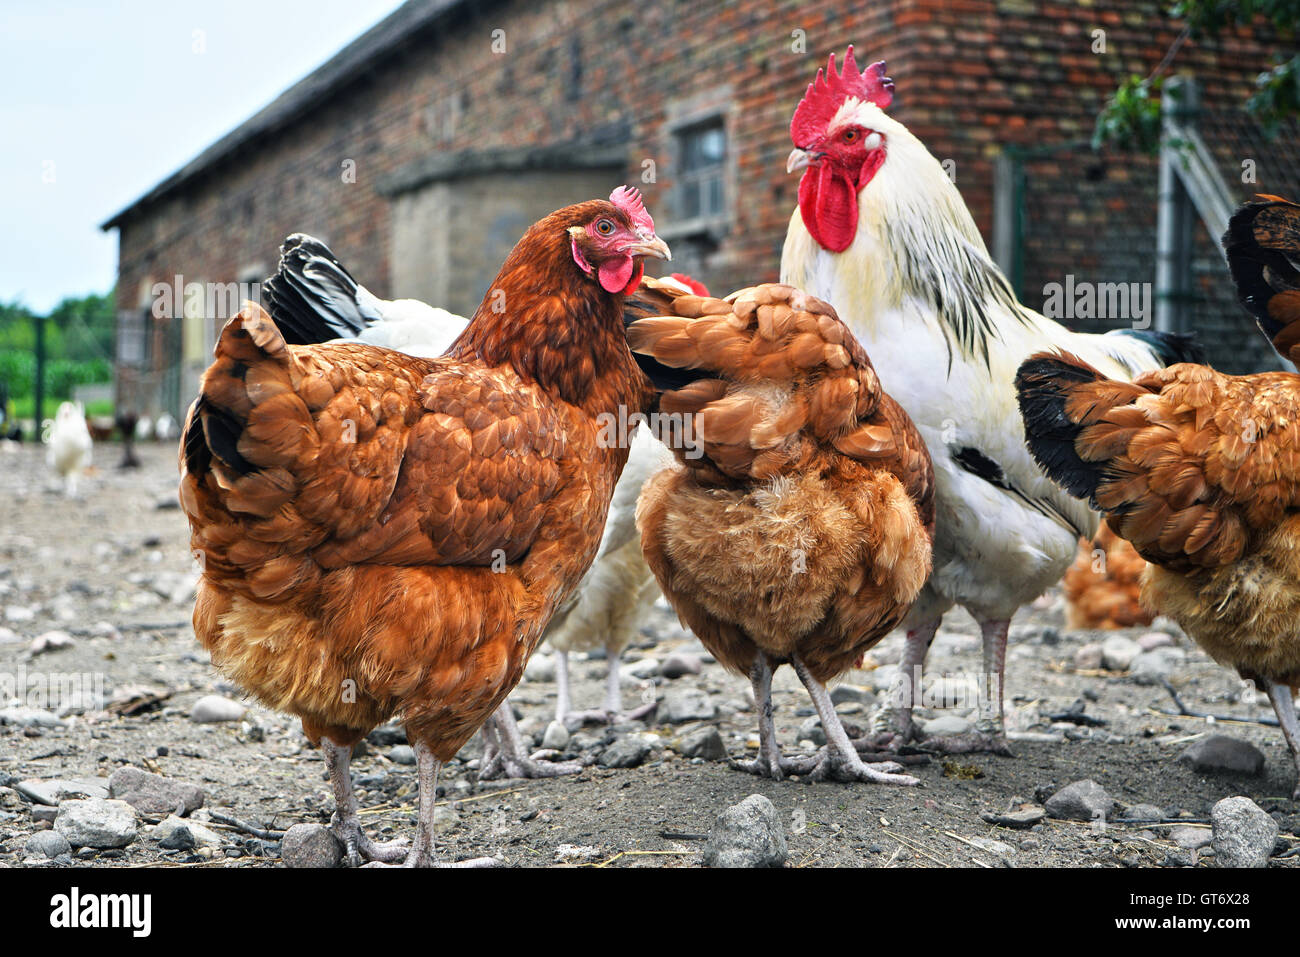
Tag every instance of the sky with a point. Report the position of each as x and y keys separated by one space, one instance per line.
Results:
x=99 y=101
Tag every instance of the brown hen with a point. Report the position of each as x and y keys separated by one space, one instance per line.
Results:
x=1200 y=470
x=1103 y=586
x=796 y=526
x=382 y=534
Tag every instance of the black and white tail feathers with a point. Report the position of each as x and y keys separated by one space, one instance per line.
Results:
x=312 y=298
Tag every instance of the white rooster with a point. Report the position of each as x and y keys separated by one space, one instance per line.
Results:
x=69 y=445
x=313 y=298
x=882 y=233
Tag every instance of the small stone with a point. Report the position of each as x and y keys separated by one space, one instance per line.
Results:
x=748 y=834
x=153 y=794
x=47 y=844
x=568 y=853
x=992 y=846
x=49 y=641
x=1243 y=834
x=852 y=694
x=626 y=752
x=54 y=791
x=703 y=743
x=1155 y=667
x=1191 y=838
x=30 y=718
x=1021 y=819
x=175 y=833
x=946 y=724
x=96 y=822
x=680 y=705
x=811 y=730
x=387 y=736
x=1155 y=639
x=402 y=754
x=1088 y=658
x=1141 y=812
x=1221 y=754
x=310 y=845
x=1084 y=800
x=680 y=663
x=445 y=818
x=556 y=736
x=641 y=670
x=540 y=668
x=1118 y=652
x=213 y=708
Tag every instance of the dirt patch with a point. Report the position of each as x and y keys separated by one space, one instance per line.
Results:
x=111 y=571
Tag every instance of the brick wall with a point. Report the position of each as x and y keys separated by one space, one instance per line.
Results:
x=973 y=76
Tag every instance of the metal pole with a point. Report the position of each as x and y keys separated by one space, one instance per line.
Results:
x=1174 y=217
x=39 y=387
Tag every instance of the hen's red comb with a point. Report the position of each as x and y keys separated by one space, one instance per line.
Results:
x=628 y=199
x=827 y=93
x=694 y=285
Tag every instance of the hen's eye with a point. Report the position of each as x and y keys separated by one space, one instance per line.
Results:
x=604 y=227
x=850 y=136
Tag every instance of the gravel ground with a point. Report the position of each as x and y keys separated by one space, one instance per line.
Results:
x=102 y=586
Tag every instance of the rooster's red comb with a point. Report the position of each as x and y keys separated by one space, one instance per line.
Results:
x=628 y=199
x=827 y=93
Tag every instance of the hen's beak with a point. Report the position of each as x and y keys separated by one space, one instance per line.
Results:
x=801 y=159
x=652 y=246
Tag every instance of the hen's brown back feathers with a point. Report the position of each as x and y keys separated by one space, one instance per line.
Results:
x=799 y=520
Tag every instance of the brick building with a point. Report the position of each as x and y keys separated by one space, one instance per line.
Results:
x=422 y=150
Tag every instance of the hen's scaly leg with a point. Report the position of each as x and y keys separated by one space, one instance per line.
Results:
x=893 y=726
x=990 y=732
x=769 y=762
x=839 y=759
x=346 y=823
x=427 y=767
x=1284 y=705
x=505 y=756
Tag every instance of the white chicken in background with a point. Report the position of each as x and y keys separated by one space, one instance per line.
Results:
x=144 y=429
x=165 y=428
x=312 y=298
x=68 y=442
x=882 y=233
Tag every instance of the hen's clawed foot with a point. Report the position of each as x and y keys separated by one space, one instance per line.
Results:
x=540 y=764
x=358 y=848
x=891 y=729
x=829 y=764
x=428 y=860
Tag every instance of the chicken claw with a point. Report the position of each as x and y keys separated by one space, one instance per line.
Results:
x=504 y=754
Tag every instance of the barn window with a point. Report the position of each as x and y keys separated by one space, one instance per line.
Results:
x=701 y=193
x=131 y=338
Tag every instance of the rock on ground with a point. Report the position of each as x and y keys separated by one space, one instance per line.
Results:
x=310 y=845
x=154 y=794
x=686 y=704
x=703 y=743
x=1221 y=754
x=626 y=752
x=748 y=834
x=213 y=708
x=1243 y=835
x=1084 y=800
x=47 y=844
x=96 y=822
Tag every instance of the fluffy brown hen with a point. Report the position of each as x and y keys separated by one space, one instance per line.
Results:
x=382 y=534
x=1200 y=470
x=796 y=526
x=1102 y=587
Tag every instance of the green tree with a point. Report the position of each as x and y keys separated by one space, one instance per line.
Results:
x=1131 y=117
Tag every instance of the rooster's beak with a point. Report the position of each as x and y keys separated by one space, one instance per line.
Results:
x=801 y=159
x=653 y=246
